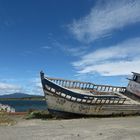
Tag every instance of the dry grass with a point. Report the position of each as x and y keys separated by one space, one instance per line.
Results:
x=5 y=119
x=38 y=115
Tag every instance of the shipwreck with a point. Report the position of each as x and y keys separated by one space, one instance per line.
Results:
x=66 y=98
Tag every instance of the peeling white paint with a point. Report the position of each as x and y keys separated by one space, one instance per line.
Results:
x=134 y=88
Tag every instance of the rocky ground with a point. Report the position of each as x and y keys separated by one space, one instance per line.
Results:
x=119 y=128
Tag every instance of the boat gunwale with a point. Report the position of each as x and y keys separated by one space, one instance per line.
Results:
x=52 y=78
x=99 y=97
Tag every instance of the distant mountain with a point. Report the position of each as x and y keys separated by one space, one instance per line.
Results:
x=19 y=95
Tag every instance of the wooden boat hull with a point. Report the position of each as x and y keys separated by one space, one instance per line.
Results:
x=63 y=108
x=66 y=103
x=134 y=88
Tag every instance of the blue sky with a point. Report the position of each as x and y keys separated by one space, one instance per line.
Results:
x=90 y=40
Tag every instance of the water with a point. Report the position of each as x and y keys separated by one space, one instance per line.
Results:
x=25 y=105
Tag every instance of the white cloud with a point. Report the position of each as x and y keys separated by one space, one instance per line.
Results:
x=6 y=88
x=35 y=87
x=121 y=59
x=46 y=47
x=77 y=51
x=68 y=49
x=105 y=17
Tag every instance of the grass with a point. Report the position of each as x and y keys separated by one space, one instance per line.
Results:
x=33 y=114
x=38 y=115
x=5 y=119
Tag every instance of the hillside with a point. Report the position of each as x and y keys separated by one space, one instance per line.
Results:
x=19 y=95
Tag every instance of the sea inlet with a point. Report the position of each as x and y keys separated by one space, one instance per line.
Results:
x=25 y=105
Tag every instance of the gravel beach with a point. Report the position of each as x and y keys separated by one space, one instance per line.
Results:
x=120 y=128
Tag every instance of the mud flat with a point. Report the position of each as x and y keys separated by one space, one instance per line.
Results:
x=119 y=128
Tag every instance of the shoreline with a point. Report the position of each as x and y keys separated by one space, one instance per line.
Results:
x=13 y=99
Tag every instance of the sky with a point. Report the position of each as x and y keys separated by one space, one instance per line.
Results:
x=87 y=40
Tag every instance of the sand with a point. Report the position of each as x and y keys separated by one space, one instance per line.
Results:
x=119 y=128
